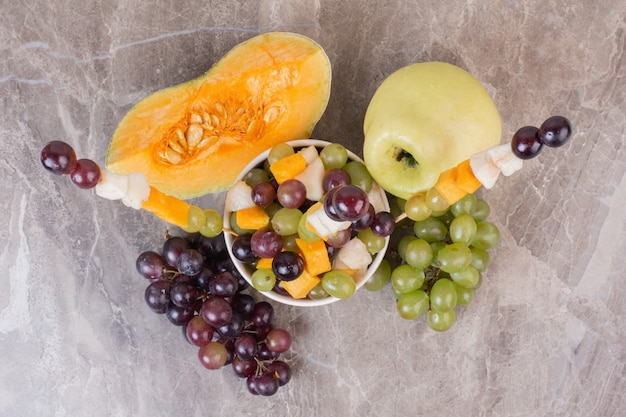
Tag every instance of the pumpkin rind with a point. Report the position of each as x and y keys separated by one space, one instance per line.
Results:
x=195 y=138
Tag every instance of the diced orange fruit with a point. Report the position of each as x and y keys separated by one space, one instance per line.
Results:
x=465 y=178
x=288 y=167
x=315 y=256
x=171 y=209
x=447 y=186
x=252 y=218
x=301 y=286
x=264 y=263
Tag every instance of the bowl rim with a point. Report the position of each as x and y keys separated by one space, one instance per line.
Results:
x=243 y=269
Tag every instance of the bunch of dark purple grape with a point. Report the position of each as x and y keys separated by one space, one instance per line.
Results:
x=528 y=141
x=195 y=284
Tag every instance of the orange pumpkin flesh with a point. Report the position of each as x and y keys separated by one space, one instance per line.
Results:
x=195 y=138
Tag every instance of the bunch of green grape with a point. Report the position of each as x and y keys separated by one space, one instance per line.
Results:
x=437 y=259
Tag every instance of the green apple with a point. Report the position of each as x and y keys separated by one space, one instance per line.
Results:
x=426 y=118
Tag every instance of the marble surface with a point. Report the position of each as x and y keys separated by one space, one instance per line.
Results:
x=545 y=335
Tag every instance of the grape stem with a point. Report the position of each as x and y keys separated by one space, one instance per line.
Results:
x=400 y=218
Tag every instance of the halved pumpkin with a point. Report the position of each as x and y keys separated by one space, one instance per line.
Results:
x=195 y=138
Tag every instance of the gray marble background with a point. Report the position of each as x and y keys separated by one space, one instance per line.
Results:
x=545 y=335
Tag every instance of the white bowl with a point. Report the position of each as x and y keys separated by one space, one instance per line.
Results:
x=246 y=270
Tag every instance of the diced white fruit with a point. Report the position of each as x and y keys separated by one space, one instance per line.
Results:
x=376 y=197
x=503 y=157
x=138 y=191
x=353 y=255
x=112 y=186
x=309 y=153
x=323 y=225
x=239 y=197
x=484 y=169
x=312 y=178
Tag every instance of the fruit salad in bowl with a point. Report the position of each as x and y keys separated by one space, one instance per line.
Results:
x=305 y=224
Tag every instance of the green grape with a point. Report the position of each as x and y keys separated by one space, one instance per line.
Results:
x=273 y=208
x=279 y=152
x=435 y=201
x=380 y=277
x=195 y=219
x=464 y=296
x=436 y=247
x=418 y=254
x=446 y=218
x=285 y=221
x=263 y=279
x=395 y=292
x=235 y=227
x=467 y=277
x=318 y=292
x=480 y=258
x=255 y=176
x=454 y=257
x=289 y=243
x=304 y=232
x=431 y=229
x=213 y=224
x=487 y=235
x=416 y=208
x=402 y=244
x=333 y=156
x=397 y=206
x=466 y=205
x=338 y=284
x=481 y=211
x=359 y=175
x=413 y=304
x=463 y=229
x=373 y=242
x=405 y=278
x=443 y=295
x=441 y=320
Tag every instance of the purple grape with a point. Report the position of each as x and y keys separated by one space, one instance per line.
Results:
x=86 y=174
x=350 y=202
x=555 y=131
x=263 y=194
x=365 y=221
x=262 y=314
x=242 y=249
x=198 y=331
x=266 y=384
x=291 y=194
x=264 y=353
x=244 y=368
x=251 y=385
x=173 y=247
x=157 y=296
x=339 y=239
x=243 y=303
x=525 y=143
x=211 y=246
x=246 y=346
x=328 y=204
x=58 y=158
x=234 y=329
x=190 y=262
x=216 y=311
x=287 y=266
x=335 y=177
x=223 y=284
x=278 y=340
x=266 y=243
x=179 y=316
x=384 y=224
x=184 y=294
x=150 y=265
x=281 y=371
x=203 y=278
